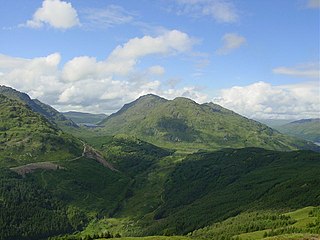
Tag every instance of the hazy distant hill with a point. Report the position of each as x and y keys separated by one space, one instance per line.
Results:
x=182 y=123
x=46 y=110
x=81 y=117
x=308 y=129
x=273 y=123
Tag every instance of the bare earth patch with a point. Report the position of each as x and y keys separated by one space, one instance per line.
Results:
x=31 y=167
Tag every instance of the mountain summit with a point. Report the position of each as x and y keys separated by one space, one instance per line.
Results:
x=184 y=124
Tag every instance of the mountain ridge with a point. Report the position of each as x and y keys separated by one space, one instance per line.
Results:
x=46 y=110
x=183 y=123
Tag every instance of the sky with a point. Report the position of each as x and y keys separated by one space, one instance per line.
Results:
x=258 y=58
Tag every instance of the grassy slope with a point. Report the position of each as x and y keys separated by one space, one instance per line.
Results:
x=308 y=129
x=174 y=196
x=45 y=110
x=26 y=136
x=185 y=125
x=257 y=225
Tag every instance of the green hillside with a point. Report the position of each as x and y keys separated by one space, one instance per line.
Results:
x=174 y=195
x=26 y=136
x=123 y=185
x=81 y=118
x=212 y=186
x=45 y=110
x=308 y=129
x=183 y=124
x=300 y=224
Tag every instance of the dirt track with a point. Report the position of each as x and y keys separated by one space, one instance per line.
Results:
x=88 y=152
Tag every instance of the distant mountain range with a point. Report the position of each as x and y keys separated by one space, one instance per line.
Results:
x=307 y=129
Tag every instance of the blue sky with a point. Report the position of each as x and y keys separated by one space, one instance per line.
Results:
x=258 y=58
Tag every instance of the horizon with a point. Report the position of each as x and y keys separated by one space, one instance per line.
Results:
x=96 y=56
x=148 y=94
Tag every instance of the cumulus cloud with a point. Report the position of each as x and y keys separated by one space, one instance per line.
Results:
x=55 y=13
x=86 y=84
x=231 y=41
x=263 y=100
x=107 y=17
x=313 y=4
x=124 y=58
x=169 y=42
x=310 y=70
x=222 y=11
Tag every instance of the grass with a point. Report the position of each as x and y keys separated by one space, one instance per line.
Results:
x=244 y=225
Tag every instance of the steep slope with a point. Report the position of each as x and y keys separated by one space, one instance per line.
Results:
x=81 y=117
x=308 y=129
x=212 y=186
x=183 y=124
x=45 y=110
x=26 y=136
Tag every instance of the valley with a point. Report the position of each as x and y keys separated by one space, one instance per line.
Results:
x=156 y=169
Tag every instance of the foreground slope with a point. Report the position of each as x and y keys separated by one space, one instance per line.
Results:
x=26 y=136
x=45 y=110
x=212 y=186
x=183 y=124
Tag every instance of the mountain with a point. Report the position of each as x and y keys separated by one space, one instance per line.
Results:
x=47 y=111
x=308 y=129
x=52 y=184
x=186 y=125
x=82 y=118
x=27 y=136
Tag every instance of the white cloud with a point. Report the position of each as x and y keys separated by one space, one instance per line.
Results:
x=310 y=70
x=313 y=4
x=220 y=10
x=231 y=41
x=263 y=100
x=170 y=42
x=108 y=16
x=156 y=70
x=56 y=13
x=84 y=83
x=123 y=59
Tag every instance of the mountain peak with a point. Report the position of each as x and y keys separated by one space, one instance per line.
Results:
x=150 y=96
x=184 y=123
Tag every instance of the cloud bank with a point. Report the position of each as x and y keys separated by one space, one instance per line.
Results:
x=86 y=84
x=263 y=100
